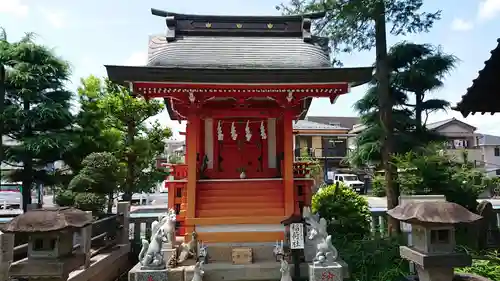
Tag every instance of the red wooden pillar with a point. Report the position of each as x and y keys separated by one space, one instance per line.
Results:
x=192 y=143
x=288 y=163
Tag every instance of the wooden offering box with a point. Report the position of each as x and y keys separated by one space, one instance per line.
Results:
x=242 y=255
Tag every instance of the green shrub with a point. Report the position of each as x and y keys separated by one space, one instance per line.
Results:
x=64 y=197
x=488 y=267
x=347 y=212
x=373 y=259
x=431 y=172
x=86 y=201
x=378 y=186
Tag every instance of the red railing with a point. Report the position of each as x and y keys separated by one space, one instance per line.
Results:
x=177 y=193
x=180 y=171
x=302 y=169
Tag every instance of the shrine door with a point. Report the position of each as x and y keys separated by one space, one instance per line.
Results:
x=240 y=154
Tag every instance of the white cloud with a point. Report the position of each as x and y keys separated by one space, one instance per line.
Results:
x=137 y=59
x=461 y=25
x=56 y=18
x=14 y=7
x=488 y=9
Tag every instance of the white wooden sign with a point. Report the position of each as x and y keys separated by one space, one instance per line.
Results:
x=296 y=236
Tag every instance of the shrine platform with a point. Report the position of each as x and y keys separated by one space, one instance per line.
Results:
x=269 y=270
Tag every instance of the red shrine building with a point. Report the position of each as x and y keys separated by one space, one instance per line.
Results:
x=239 y=82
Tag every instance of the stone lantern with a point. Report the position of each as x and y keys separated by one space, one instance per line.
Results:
x=51 y=254
x=433 y=235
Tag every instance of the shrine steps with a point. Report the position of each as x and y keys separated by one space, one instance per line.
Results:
x=251 y=211
x=234 y=198
x=239 y=211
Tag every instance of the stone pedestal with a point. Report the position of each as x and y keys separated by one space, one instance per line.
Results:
x=309 y=247
x=329 y=272
x=139 y=274
x=435 y=274
x=309 y=250
x=167 y=254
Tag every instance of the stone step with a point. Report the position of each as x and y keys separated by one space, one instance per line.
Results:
x=241 y=212
x=250 y=192
x=239 y=199
x=239 y=205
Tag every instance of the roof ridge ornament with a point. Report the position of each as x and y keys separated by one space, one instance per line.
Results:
x=295 y=26
x=170 y=29
x=306 y=30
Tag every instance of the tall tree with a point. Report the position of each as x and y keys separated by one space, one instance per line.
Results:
x=37 y=113
x=3 y=41
x=361 y=25
x=416 y=69
x=93 y=133
x=113 y=120
x=144 y=142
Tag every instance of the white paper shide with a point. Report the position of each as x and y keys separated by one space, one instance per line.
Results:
x=297 y=236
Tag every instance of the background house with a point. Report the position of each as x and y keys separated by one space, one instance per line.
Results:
x=175 y=148
x=490 y=150
x=460 y=138
x=326 y=139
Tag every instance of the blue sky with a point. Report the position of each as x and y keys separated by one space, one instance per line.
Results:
x=92 y=33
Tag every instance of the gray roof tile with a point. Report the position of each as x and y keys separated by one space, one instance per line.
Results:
x=343 y=121
x=485 y=139
x=309 y=125
x=236 y=52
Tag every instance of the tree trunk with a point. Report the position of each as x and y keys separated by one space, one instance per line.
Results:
x=385 y=104
x=131 y=159
x=127 y=196
x=2 y=104
x=27 y=162
x=111 y=199
x=418 y=111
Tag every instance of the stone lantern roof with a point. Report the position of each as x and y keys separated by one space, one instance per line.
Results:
x=47 y=220
x=433 y=213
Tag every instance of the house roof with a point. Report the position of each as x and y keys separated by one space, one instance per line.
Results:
x=485 y=139
x=430 y=126
x=309 y=125
x=343 y=121
x=484 y=88
x=357 y=128
x=438 y=124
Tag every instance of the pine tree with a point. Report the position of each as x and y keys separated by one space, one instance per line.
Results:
x=37 y=113
x=416 y=70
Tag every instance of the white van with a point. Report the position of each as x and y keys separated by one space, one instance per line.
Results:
x=350 y=180
x=10 y=195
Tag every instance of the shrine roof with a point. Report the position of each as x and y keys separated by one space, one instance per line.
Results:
x=238 y=52
x=238 y=41
x=353 y=76
x=238 y=49
x=484 y=88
